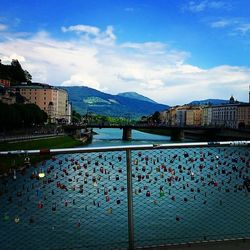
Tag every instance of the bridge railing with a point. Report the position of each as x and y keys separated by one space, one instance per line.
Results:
x=126 y=197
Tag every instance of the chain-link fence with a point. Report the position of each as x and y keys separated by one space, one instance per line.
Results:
x=127 y=197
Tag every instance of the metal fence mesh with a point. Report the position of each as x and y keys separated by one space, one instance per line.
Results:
x=195 y=194
x=79 y=201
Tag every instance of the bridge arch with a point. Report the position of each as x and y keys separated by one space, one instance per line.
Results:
x=241 y=125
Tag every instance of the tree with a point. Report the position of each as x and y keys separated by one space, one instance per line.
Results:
x=20 y=98
x=14 y=72
x=20 y=115
x=156 y=117
x=27 y=76
x=76 y=117
x=17 y=73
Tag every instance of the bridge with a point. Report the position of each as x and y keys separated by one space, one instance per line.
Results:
x=175 y=132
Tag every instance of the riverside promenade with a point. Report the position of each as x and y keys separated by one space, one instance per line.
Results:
x=28 y=137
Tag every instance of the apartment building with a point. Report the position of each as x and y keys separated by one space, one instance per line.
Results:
x=193 y=116
x=53 y=100
x=170 y=116
x=235 y=115
x=206 y=118
x=224 y=115
x=181 y=117
x=243 y=116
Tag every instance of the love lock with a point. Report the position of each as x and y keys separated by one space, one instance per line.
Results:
x=27 y=161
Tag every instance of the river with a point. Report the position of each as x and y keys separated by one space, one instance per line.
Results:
x=113 y=137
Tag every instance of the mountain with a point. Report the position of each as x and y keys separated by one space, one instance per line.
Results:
x=85 y=99
x=209 y=101
x=136 y=96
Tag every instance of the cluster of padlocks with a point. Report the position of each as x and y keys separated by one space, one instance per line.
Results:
x=80 y=200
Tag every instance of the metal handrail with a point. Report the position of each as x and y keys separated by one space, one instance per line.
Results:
x=122 y=148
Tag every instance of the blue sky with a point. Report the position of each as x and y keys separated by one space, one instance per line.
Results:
x=173 y=51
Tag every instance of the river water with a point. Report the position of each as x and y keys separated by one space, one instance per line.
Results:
x=112 y=137
x=179 y=195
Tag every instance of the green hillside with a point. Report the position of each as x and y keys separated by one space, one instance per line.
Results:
x=86 y=99
x=136 y=96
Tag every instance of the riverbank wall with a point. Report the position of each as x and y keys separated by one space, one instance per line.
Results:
x=205 y=135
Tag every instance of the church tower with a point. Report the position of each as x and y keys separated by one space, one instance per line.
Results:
x=231 y=100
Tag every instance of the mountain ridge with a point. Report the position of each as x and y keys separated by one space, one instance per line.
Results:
x=209 y=101
x=132 y=105
x=135 y=95
x=86 y=99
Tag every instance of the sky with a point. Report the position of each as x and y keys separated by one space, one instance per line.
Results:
x=172 y=51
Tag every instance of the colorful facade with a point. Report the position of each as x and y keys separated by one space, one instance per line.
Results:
x=235 y=115
x=193 y=116
x=206 y=118
x=243 y=116
x=54 y=101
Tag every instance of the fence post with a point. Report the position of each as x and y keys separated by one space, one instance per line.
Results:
x=130 y=200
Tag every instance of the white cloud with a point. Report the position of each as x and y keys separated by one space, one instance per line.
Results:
x=194 y=7
x=199 y=6
x=8 y=59
x=243 y=28
x=90 y=32
x=3 y=27
x=82 y=29
x=83 y=79
x=238 y=26
x=151 y=68
x=220 y=24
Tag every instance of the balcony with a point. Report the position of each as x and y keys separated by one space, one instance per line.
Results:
x=171 y=196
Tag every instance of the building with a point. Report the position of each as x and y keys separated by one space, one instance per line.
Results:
x=193 y=116
x=225 y=115
x=206 y=118
x=5 y=83
x=170 y=116
x=69 y=112
x=243 y=116
x=232 y=115
x=181 y=116
x=53 y=100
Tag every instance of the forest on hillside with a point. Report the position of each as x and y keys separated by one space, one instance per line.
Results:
x=14 y=72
